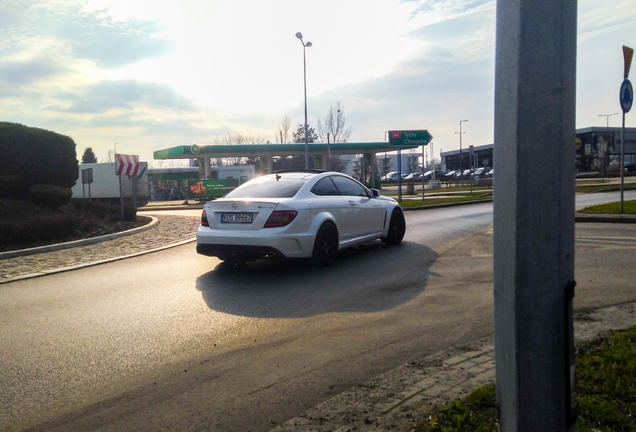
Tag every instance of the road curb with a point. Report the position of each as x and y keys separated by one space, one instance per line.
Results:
x=94 y=263
x=176 y=207
x=438 y=206
x=604 y=218
x=77 y=243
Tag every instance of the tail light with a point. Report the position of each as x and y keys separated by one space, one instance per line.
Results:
x=280 y=218
x=204 y=219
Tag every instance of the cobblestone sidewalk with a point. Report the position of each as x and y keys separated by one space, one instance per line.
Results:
x=170 y=229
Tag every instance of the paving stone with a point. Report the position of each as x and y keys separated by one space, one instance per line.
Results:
x=454 y=360
x=479 y=369
x=436 y=391
x=170 y=229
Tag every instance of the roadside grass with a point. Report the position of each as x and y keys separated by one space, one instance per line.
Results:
x=629 y=207
x=605 y=386
x=604 y=187
x=435 y=201
x=443 y=190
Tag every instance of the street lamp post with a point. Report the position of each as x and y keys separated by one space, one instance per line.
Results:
x=461 y=154
x=299 y=35
x=607 y=116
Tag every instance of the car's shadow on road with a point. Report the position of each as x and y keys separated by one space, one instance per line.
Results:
x=369 y=278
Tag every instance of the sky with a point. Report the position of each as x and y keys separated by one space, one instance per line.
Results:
x=146 y=75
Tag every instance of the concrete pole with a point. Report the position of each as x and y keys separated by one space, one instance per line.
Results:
x=535 y=89
x=207 y=172
x=269 y=163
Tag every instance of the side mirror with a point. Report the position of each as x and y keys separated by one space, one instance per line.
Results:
x=375 y=193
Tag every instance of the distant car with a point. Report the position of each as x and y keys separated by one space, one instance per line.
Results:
x=630 y=166
x=439 y=175
x=481 y=172
x=451 y=174
x=390 y=177
x=490 y=173
x=413 y=177
x=297 y=214
x=176 y=194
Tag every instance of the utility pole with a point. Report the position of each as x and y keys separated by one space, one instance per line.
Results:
x=604 y=149
x=626 y=98
x=535 y=101
x=461 y=154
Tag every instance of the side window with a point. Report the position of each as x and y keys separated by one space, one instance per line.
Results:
x=349 y=187
x=325 y=187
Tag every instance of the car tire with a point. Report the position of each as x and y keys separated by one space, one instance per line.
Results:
x=326 y=245
x=397 y=228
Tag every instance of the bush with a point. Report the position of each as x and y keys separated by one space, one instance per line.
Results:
x=10 y=186
x=38 y=155
x=38 y=228
x=16 y=209
x=52 y=196
x=130 y=212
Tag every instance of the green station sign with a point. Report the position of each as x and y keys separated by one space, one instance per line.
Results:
x=409 y=138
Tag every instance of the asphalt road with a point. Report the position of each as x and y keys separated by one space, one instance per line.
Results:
x=176 y=341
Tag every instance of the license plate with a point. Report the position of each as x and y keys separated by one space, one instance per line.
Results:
x=236 y=218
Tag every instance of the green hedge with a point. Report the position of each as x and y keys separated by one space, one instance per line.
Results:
x=39 y=156
x=10 y=185
x=52 y=196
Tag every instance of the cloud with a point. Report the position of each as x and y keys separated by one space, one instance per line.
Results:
x=79 y=32
x=28 y=72
x=126 y=94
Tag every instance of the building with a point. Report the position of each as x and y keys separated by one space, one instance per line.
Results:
x=455 y=159
x=594 y=147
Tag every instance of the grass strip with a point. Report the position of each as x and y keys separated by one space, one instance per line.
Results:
x=604 y=188
x=436 y=201
x=605 y=384
x=629 y=207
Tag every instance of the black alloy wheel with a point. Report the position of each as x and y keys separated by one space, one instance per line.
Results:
x=326 y=245
x=397 y=228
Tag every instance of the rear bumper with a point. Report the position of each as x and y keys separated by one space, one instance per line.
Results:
x=238 y=253
x=270 y=242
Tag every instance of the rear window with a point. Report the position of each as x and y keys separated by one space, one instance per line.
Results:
x=268 y=188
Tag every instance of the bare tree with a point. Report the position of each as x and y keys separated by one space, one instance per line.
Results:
x=238 y=138
x=110 y=156
x=334 y=124
x=284 y=127
x=336 y=163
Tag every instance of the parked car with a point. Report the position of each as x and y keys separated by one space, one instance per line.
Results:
x=428 y=176
x=176 y=194
x=299 y=214
x=390 y=177
x=481 y=172
x=490 y=173
x=630 y=167
x=413 y=177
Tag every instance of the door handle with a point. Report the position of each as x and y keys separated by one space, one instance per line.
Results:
x=352 y=203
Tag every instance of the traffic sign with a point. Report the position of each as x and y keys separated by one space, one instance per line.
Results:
x=126 y=164
x=588 y=149
x=577 y=143
x=409 y=138
x=628 y=53
x=626 y=95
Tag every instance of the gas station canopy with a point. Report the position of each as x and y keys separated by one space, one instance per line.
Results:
x=269 y=150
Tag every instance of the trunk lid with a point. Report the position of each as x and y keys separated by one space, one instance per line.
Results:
x=239 y=214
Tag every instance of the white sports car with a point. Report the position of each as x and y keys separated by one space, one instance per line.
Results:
x=297 y=214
